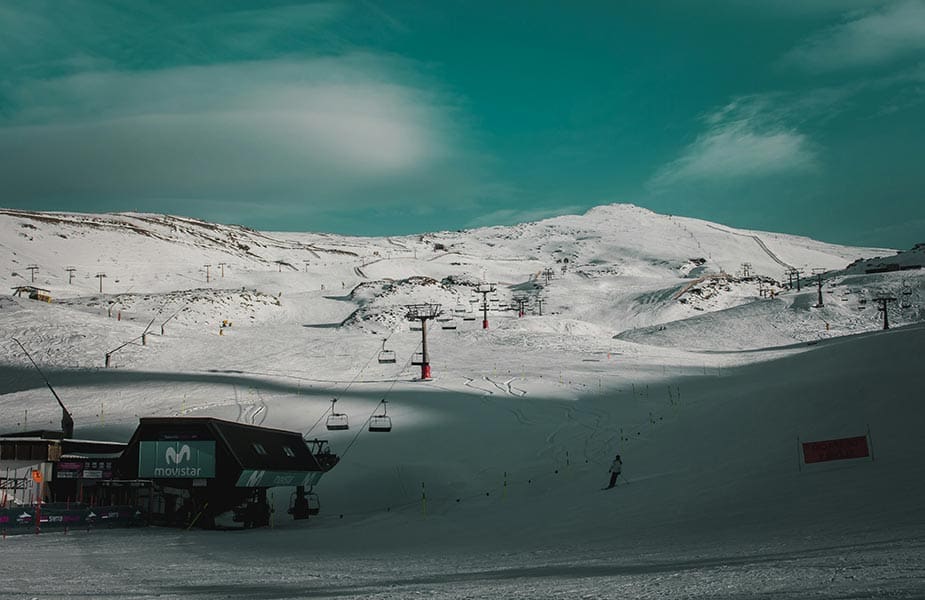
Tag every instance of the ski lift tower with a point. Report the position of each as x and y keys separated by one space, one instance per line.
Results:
x=818 y=271
x=884 y=300
x=423 y=313
x=485 y=289
x=521 y=305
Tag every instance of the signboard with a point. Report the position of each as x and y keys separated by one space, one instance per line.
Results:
x=84 y=468
x=840 y=449
x=251 y=478
x=176 y=459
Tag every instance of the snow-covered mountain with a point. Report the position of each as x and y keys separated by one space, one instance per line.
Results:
x=674 y=341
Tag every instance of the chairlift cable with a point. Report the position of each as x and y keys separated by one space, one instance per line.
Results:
x=327 y=410
x=373 y=413
x=350 y=383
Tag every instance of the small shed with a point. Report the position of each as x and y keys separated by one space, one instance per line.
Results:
x=33 y=292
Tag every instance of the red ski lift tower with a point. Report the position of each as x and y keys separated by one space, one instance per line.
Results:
x=521 y=305
x=423 y=313
x=485 y=289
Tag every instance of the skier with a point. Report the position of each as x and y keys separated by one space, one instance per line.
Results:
x=615 y=468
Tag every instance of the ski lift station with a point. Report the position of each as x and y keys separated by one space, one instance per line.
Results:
x=174 y=471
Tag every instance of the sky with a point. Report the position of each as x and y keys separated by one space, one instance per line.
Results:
x=378 y=118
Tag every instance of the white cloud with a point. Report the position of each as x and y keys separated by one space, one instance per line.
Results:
x=316 y=128
x=880 y=36
x=742 y=141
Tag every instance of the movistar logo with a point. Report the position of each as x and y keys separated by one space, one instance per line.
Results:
x=172 y=456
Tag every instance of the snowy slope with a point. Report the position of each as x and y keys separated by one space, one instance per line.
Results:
x=704 y=398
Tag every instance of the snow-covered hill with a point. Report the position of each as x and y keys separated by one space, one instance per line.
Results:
x=643 y=335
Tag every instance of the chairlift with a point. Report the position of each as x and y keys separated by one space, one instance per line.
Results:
x=302 y=507
x=418 y=359
x=450 y=325
x=314 y=503
x=381 y=422
x=385 y=355
x=336 y=421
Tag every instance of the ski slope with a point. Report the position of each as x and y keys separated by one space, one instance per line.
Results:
x=489 y=484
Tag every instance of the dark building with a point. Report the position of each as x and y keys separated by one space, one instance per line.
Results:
x=178 y=471
x=201 y=467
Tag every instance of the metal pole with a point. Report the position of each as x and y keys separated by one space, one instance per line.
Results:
x=425 y=363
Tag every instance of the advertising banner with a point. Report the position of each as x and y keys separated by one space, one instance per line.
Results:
x=252 y=478
x=176 y=460
x=840 y=449
x=84 y=468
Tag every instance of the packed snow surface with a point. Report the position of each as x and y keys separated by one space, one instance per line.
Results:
x=674 y=342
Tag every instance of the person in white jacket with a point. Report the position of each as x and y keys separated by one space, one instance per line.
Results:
x=615 y=469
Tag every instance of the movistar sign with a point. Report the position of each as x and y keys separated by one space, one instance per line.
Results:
x=176 y=460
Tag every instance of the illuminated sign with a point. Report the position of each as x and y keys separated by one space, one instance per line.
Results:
x=176 y=460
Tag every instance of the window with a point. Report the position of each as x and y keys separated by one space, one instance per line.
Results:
x=258 y=448
x=288 y=451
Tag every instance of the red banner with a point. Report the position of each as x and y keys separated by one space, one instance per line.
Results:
x=840 y=449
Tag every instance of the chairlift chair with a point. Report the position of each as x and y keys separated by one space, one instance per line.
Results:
x=417 y=359
x=386 y=356
x=449 y=325
x=336 y=421
x=311 y=506
x=381 y=422
x=314 y=504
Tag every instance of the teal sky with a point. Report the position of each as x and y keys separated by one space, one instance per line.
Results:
x=398 y=117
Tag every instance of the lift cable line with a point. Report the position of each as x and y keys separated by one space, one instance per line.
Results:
x=350 y=383
x=381 y=419
x=170 y=318
x=373 y=415
x=67 y=421
x=142 y=337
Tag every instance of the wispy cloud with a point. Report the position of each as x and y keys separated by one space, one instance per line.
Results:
x=307 y=122
x=875 y=37
x=512 y=216
x=310 y=132
x=746 y=138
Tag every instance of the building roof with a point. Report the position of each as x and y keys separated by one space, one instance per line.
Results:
x=252 y=447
